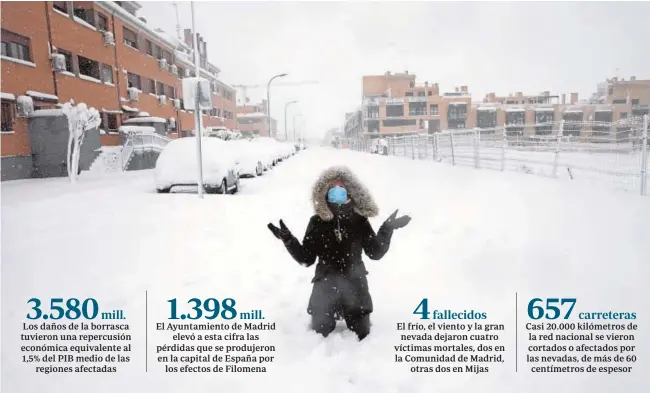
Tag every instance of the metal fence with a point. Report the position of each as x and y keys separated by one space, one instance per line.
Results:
x=615 y=153
x=137 y=141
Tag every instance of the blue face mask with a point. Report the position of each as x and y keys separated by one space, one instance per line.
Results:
x=338 y=195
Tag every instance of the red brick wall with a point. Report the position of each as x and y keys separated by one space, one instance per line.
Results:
x=19 y=78
x=137 y=61
x=80 y=40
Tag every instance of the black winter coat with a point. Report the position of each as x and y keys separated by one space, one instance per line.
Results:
x=340 y=259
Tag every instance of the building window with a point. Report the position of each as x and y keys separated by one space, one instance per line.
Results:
x=181 y=72
x=543 y=122
x=572 y=123
x=165 y=55
x=457 y=112
x=15 y=46
x=372 y=112
x=112 y=122
x=107 y=73
x=130 y=38
x=486 y=119
x=134 y=80
x=83 y=13
x=517 y=118
x=171 y=92
x=635 y=101
x=417 y=108
x=102 y=22
x=89 y=68
x=433 y=109
x=430 y=93
x=394 y=110
x=623 y=115
x=149 y=46
x=68 y=59
x=621 y=101
x=7 y=116
x=160 y=88
x=421 y=94
x=409 y=94
x=151 y=84
x=61 y=6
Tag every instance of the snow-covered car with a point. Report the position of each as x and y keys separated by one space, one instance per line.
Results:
x=177 y=166
x=250 y=158
x=271 y=147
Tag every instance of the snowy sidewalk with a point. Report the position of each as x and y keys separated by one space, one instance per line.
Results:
x=476 y=238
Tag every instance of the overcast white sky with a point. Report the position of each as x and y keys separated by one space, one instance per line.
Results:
x=491 y=47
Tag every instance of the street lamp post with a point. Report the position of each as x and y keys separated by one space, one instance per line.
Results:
x=197 y=110
x=286 y=132
x=294 y=125
x=268 y=101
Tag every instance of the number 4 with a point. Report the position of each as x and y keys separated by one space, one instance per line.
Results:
x=424 y=305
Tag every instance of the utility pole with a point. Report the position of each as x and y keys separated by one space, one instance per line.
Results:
x=286 y=132
x=178 y=23
x=197 y=108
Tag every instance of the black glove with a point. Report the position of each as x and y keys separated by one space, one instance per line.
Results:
x=392 y=222
x=283 y=233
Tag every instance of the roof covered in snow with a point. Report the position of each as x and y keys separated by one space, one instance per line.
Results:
x=544 y=109
x=146 y=119
x=7 y=96
x=515 y=110
x=42 y=96
x=137 y=129
x=253 y=114
x=47 y=113
x=127 y=108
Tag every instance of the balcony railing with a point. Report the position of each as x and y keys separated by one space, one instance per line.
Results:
x=417 y=99
x=372 y=101
x=394 y=101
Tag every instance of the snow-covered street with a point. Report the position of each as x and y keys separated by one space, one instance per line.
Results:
x=477 y=240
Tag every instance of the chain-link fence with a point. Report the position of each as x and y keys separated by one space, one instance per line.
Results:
x=616 y=153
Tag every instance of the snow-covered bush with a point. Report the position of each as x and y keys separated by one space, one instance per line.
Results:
x=80 y=120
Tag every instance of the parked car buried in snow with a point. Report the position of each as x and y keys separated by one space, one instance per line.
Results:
x=177 y=166
x=249 y=156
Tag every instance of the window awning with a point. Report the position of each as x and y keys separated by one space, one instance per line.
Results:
x=8 y=96
x=37 y=95
x=126 y=108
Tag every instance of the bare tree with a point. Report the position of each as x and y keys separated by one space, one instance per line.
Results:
x=81 y=119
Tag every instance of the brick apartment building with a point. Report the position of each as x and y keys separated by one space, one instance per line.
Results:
x=396 y=104
x=252 y=120
x=101 y=54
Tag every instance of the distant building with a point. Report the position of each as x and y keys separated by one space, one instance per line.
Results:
x=252 y=120
x=396 y=104
x=353 y=126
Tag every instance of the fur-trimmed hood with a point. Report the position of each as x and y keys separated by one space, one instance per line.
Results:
x=364 y=203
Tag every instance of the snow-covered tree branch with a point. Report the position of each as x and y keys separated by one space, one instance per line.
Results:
x=80 y=120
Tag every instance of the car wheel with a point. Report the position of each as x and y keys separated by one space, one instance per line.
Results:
x=259 y=169
x=211 y=189
x=163 y=190
x=236 y=189
x=223 y=189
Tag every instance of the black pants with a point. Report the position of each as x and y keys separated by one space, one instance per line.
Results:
x=335 y=296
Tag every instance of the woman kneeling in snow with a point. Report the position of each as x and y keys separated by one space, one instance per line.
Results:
x=337 y=234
